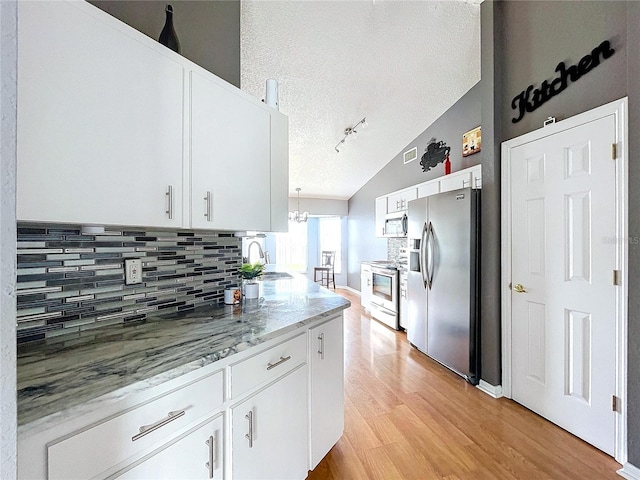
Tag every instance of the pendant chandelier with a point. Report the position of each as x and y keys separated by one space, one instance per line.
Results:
x=297 y=216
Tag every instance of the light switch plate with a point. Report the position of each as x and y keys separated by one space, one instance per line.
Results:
x=132 y=271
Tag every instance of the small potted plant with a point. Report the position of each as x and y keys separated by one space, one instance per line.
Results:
x=249 y=273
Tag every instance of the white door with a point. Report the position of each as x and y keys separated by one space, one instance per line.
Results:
x=563 y=300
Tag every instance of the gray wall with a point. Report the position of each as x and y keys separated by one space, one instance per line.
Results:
x=362 y=242
x=534 y=39
x=8 y=71
x=522 y=42
x=208 y=31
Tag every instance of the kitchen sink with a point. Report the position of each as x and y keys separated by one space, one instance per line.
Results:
x=275 y=275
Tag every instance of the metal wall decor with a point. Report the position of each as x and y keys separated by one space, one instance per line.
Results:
x=529 y=100
x=435 y=153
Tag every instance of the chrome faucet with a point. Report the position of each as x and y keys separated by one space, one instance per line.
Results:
x=261 y=253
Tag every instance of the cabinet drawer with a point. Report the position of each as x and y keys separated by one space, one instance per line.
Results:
x=267 y=365
x=113 y=441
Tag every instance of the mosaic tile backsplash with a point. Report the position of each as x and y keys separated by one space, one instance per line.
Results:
x=69 y=281
x=393 y=248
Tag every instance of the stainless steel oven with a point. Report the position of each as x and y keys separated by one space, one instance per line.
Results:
x=384 y=295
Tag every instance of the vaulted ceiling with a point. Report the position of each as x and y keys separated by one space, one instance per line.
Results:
x=399 y=63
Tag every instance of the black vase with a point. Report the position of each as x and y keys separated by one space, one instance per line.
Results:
x=168 y=36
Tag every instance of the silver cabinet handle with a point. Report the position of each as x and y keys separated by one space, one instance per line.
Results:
x=146 y=429
x=211 y=463
x=249 y=436
x=169 y=195
x=321 y=346
x=279 y=362
x=207 y=212
x=465 y=182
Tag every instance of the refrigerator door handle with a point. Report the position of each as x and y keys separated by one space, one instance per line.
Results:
x=422 y=261
x=429 y=250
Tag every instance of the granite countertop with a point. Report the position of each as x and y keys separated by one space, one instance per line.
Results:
x=57 y=376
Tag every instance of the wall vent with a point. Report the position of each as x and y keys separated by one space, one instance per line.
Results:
x=410 y=155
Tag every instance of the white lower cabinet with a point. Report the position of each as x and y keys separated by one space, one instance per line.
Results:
x=196 y=455
x=269 y=431
x=326 y=354
x=366 y=286
x=117 y=442
x=272 y=411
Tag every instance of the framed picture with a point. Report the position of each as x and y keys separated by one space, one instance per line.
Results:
x=472 y=142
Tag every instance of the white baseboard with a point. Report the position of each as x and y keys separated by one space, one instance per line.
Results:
x=347 y=287
x=493 y=390
x=629 y=472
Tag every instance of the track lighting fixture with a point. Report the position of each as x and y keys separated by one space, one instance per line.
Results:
x=350 y=131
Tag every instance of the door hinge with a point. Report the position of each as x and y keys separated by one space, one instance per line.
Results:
x=615 y=404
x=616 y=278
x=614 y=151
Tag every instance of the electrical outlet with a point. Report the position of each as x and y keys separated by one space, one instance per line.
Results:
x=133 y=271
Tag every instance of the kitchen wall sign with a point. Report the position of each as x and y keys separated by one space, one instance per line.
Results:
x=529 y=100
x=435 y=153
x=472 y=142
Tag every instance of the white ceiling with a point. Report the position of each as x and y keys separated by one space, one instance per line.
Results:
x=399 y=63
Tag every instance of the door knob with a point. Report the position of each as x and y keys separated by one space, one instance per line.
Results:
x=519 y=288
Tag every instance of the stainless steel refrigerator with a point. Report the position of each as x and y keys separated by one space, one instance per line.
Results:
x=443 y=287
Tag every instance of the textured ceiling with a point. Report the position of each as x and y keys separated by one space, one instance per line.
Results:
x=400 y=64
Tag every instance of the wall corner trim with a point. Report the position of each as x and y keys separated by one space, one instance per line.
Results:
x=629 y=472
x=494 y=391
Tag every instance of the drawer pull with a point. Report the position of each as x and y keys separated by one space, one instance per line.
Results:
x=279 y=362
x=211 y=463
x=249 y=436
x=146 y=429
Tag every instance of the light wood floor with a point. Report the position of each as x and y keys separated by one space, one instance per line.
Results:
x=407 y=417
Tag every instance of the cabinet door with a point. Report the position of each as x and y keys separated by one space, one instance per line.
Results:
x=99 y=121
x=470 y=177
x=230 y=159
x=430 y=188
x=381 y=211
x=327 y=388
x=279 y=172
x=400 y=201
x=270 y=431
x=365 y=286
x=196 y=455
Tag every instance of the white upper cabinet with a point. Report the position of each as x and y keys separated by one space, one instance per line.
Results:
x=279 y=172
x=115 y=129
x=470 y=177
x=399 y=201
x=99 y=122
x=381 y=212
x=230 y=159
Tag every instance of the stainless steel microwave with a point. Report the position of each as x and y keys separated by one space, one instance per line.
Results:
x=395 y=224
